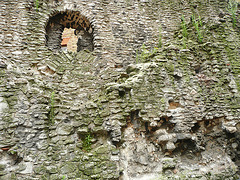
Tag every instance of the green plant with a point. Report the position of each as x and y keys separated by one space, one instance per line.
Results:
x=197 y=24
x=63 y=177
x=37 y=4
x=145 y=54
x=232 y=9
x=160 y=38
x=137 y=57
x=184 y=32
x=184 y=27
x=200 y=21
x=12 y=152
x=52 y=104
x=87 y=143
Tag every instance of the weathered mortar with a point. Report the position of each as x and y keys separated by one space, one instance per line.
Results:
x=176 y=111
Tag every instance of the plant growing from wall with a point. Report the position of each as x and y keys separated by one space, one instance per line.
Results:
x=184 y=32
x=197 y=24
x=137 y=57
x=86 y=145
x=160 y=38
x=200 y=21
x=37 y=4
x=51 y=112
x=232 y=9
x=145 y=54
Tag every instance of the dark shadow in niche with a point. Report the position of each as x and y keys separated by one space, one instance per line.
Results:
x=69 y=19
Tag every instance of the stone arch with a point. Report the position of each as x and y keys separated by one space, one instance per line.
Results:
x=69 y=19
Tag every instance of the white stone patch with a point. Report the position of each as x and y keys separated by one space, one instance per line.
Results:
x=42 y=144
x=229 y=126
x=30 y=136
x=43 y=136
x=17 y=52
x=115 y=158
x=170 y=146
x=64 y=130
x=3 y=105
x=233 y=85
x=146 y=177
x=29 y=168
x=15 y=38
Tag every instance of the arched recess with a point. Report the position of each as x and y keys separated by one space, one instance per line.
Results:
x=69 y=19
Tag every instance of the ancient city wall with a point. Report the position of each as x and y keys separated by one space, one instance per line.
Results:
x=152 y=93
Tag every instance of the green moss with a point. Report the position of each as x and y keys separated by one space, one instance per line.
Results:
x=68 y=167
x=40 y=169
x=98 y=121
x=12 y=100
x=102 y=150
x=2 y=167
x=169 y=67
x=56 y=157
x=44 y=177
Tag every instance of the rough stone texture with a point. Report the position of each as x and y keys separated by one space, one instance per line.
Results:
x=126 y=110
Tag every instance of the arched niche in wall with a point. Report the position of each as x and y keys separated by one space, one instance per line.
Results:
x=69 y=19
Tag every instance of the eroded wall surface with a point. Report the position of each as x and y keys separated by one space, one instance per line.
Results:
x=151 y=101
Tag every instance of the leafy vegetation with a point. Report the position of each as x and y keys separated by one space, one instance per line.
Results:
x=145 y=54
x=37 y=4
x=232 y=9
x=160 y=38
x=87 y=143
x=184 y=27
x=52 y=104
x=184 y=32
x=197 y=24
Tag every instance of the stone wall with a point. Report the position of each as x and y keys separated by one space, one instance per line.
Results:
x=149 y=102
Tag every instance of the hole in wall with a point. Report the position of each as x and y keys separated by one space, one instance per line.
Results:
x=177 y=78
x=164 y=123
x=146 y=127
x=134 y=121
x=173 y=105
x=185 y=145
x=121 y=93
x=69 y=31
x=195 y=128
x=206 y=123
x=197 y=69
